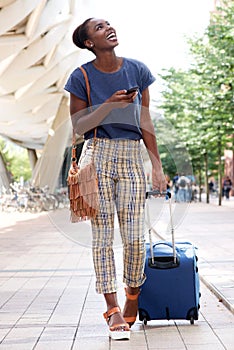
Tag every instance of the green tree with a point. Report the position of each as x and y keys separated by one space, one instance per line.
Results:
x=199 y=101
x=16 y=160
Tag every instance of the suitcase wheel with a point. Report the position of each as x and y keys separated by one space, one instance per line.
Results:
x=191 y=320
x=192 y=315
x=143 y=316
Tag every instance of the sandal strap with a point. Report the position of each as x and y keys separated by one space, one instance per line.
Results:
x=111 y=312
x=130 y=319
x=119 y=325
x=131 y=296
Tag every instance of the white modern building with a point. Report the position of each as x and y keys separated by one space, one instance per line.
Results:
x=36 y=57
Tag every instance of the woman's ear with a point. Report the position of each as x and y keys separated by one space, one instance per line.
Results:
x=89 y=44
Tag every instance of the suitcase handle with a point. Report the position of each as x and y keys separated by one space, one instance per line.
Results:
x=166 y=243
x=157 y=192
x=167 y=194
x=163 y=262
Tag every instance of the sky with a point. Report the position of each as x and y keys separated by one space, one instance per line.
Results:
x=153 y=31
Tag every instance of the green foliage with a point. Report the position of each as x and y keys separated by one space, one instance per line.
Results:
x=199 y=101
x=16 y=160
x=173 y=153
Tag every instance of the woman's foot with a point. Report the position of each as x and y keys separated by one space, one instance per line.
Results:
x=131 y=305
x=118 y=328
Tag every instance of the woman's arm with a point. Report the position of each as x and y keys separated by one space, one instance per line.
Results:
x=83 y=120
x=150 y=141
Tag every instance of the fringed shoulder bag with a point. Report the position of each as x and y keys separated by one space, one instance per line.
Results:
x=83 y=182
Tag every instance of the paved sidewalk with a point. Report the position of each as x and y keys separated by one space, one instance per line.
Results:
x=47 y=285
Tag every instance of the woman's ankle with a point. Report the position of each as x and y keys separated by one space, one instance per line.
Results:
x=111 y=300
x=133 y=290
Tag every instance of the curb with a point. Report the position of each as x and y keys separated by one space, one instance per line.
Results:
x=222 y=299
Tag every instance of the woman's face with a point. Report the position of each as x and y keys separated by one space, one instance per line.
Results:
x=101 y=34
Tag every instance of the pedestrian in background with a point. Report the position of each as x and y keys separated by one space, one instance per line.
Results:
x=175 y=186
x=227 y=186
x=184 y=192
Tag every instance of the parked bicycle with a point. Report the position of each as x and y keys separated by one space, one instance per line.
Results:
x=32 y=199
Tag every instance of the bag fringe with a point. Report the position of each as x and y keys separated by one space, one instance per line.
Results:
x=83 y=192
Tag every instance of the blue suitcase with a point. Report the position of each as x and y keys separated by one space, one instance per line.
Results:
x=172 y=288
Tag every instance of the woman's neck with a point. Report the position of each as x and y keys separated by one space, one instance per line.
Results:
x=107 y=63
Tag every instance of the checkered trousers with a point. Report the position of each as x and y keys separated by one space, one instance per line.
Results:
x=122 y=188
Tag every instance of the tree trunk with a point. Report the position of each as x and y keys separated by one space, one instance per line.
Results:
x=200 y=184
x=206 y=178
x=220 y=166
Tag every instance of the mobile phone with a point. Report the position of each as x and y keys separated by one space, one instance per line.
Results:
x=133 y=89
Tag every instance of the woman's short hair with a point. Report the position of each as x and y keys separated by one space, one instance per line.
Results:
x=80 y=34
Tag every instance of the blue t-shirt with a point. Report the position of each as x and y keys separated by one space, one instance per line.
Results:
x=120 y=123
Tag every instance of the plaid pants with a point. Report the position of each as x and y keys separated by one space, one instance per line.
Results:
x=122 y=188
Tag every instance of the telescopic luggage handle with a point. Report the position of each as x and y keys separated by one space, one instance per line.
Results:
x=158 y=193
x=168 y=196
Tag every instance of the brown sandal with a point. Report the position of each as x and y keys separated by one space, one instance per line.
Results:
x=123 y=332
x=131 y=319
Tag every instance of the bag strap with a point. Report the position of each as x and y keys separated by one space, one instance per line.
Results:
x=87 y=85
x=89 y=103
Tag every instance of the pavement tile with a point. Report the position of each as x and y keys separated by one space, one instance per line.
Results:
x=21 y=338
x=200 y=337
x=206 y=346
x=126 y=345
x=56 y=338
x=226 y=333
x=92 y=329
x=3 y=333
x=92 y=343
x=170 y=340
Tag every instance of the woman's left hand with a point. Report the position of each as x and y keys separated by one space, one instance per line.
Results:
x=159 y=181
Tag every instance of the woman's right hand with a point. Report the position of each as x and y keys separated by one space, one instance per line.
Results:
x=122 y=98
